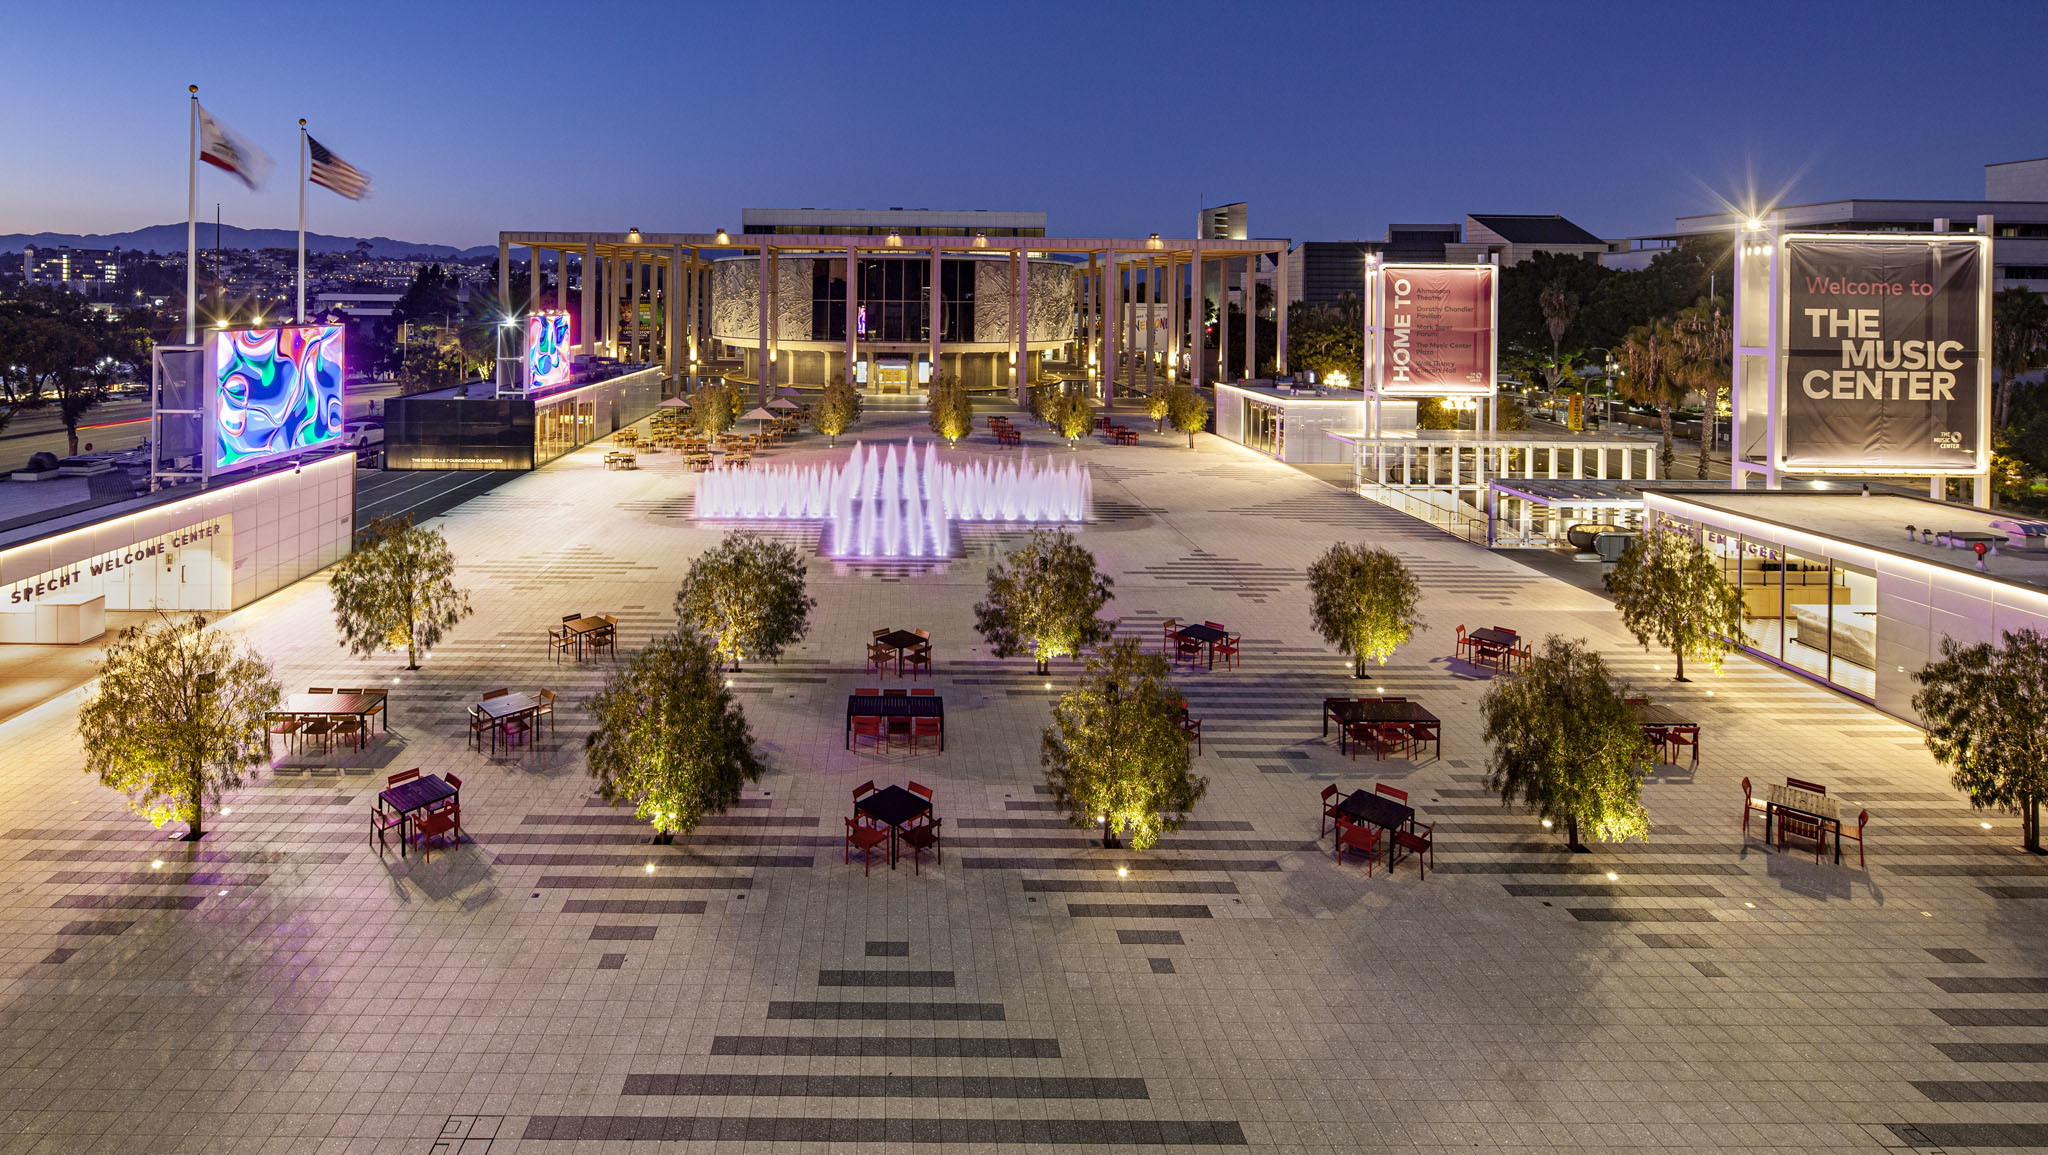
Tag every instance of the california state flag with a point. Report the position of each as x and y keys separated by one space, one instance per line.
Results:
x=224 y=148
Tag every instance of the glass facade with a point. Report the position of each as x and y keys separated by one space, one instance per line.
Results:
x=1812 y=613
x=1264 y=428
x=896 y=292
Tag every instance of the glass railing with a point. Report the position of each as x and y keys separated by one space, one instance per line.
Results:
x=1451 y=516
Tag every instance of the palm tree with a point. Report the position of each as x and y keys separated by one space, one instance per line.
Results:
x=1705 y=346
x=1650 y=360
x=2019 y=340
x=1560 y=306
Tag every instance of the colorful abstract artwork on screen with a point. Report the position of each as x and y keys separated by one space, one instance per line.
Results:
x=548 y=341
x=277 y=391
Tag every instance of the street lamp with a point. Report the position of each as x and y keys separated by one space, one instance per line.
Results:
x=1610 y=369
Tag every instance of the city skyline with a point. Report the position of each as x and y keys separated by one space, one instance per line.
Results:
x=1335 y=123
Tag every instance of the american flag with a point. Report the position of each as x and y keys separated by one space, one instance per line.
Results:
x=332 y=172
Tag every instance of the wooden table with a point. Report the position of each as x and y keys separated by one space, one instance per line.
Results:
x=505 y=708
x=893 y=706
x=580 y=628
x=359 y=706
x=1378 y=810
x=892 y=806
x=1819 y=808
x=1201 y=635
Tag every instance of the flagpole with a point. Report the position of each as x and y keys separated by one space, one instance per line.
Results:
x=192 y=226
x=302 y=220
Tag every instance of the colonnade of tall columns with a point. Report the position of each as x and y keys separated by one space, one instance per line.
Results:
x=614 y=288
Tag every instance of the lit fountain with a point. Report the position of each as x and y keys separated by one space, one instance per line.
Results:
x=882 y=507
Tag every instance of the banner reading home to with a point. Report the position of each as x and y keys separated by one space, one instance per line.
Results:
x=1885 y=368
x=1436 y=330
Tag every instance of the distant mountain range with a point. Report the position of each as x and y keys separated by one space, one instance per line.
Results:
x=171 y=239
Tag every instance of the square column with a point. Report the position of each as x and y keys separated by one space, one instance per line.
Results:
x=1280 y=303
x=852 y=306
x=672 y=310
x=587 y=294
x=1251 y=316
x=1023 y=323
x=1110 y=308
x=1223 y=320
x=932 y=312
x=761 y=321
x=532 y=279
x=1197 y=306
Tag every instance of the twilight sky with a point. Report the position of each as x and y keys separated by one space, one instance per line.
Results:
x=1116 y=117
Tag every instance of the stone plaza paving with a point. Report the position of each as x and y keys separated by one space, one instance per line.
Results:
x=558 y=984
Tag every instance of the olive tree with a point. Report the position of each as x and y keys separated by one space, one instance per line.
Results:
x=747 y=595
x=950 y=408
x=1671 y=591
x=838 y=407
x=396 y=590
x=1188 y=409
x=715 y=408
x=1986 y=710
x=669 y=737
x=177 y=714
x=1115 y=753
x=1043 y=600
x=1362 y=600
x=1567 y=746
x=1159 y=406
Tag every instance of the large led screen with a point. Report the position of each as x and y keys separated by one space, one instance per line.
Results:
x=276 y=391
x=548 y=340
x=1436 y=331
x=1885 y=364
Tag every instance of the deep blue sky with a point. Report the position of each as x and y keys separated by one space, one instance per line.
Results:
x=1116 y=118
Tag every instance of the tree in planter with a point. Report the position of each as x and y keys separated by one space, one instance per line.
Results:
x=747 y=595
x=1986 y=709
x=714 y=409
x=837 y=409
x=1671 y=591
x=1159 y=406
x=1072 y=414
x=1115 y=753
x=397 y=590
x=1566 y=745
x=1188 y=410
x=1042 y=600
x=669 y=736
x=176 y=716
x=1363 y=601
x=950 y=408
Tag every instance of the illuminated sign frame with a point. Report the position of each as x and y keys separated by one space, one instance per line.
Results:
x=302 y=418
x=550 y=335
x=1388 y=321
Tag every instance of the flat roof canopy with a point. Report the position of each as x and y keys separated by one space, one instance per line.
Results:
x=614 y=244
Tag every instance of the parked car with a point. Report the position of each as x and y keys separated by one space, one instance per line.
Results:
x=362 y=434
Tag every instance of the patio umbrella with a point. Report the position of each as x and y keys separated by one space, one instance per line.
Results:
x=757 y=416
x=788 y=391
x=781 y=403
x=675 y=403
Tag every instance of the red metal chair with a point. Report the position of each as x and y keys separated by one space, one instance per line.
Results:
x=1751 y=804
x=879 y=658
x=403 y=776
x=1419 y=840
x=1387 y=791
x=479 y=722
x=863 y=790
x=432 y=823
x=868 y=692
x=1420 y=732
x=1458 y=649
x=922 y=791
x=1679 y=736
x=865 y=839
x=1360 y=838
x=1841 y=832
x=869 y=726
x=920 y=837
x=1329 y=809
x=1792 y=825
x=923 y=692
x=1168 y=628
x=1227 y=650
x=1191 y=729
x=382 y=820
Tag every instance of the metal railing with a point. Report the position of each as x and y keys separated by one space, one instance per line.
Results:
x=1453 y=517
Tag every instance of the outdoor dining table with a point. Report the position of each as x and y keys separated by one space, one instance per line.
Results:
x=505 y=708
x=892 y=807
x=1819 y=808
x=359 y=706
x=889 y=706
x=1488 y=639
x=414 y=795
x=1204 y=636
x=1350 y=711
x=581 y=628
x=901 y=641
x=1378 y=810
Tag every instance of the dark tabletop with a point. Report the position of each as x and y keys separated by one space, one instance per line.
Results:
x=1494 y=637
x=900 y=640
x=1201 y=633
x=1355 y=711
x=506 y=705
x=1378 y=809
x=919 y=706
x=1655 y=715
x=417 y=793
x=892 y=806
x=329 y=705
